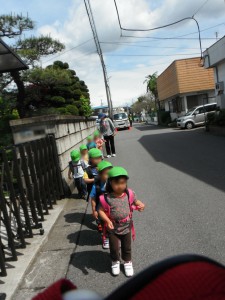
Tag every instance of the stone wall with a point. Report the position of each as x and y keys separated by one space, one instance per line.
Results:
x=69 y=131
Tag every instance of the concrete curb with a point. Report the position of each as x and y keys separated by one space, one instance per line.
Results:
x=18 y=268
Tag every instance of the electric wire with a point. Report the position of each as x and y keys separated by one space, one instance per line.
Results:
x=62 y=53
x=144 y=46
x=198 y=10
x=160 y=27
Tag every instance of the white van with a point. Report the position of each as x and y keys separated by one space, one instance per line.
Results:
x=121 y=120
x=196 y=116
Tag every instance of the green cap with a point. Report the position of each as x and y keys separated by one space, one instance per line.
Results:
x=83 y=147
x=96 y=133
x=89 y=138
x=104 y=165
x=117 y=171
x=94 y=153
x=75 y=155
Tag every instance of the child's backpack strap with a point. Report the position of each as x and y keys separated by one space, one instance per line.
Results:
x=83 y=165
x=133 y=207
x=130 y=195
x=105 y=204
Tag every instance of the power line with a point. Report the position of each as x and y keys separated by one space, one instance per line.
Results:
x=142 y=46
x=202 y=30
x=165 y=38
x=180 y=54
x=198 y=10
x=99 y=51
x=161 y=27
x=75 y=47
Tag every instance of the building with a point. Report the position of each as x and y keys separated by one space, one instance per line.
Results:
x=185 y=84
x=100 y=109
x=214 y=57
x=104 y=109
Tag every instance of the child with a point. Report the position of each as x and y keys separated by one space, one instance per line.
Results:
x=98 y=140
x=97 y=190
x=90 y=143
x=95 y=157
x=84 y=154
x=76 y=167
x=116 y=211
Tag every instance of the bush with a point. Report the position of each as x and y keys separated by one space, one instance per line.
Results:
x=58 y=100
x=164 y=118
x=72 y=109
x=63 y=111
x=211 y=118
x=217 y=118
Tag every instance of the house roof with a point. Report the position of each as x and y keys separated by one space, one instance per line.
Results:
x=10 y=61
x=184 y=76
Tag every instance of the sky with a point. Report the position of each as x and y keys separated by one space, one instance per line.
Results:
x=128 y=59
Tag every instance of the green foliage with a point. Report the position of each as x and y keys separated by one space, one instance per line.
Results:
x=216 y=118
x=32 y=49
x=85 y=109
x=151 y=81
x=48 y=77
x=58 y=100
x=144 y=102
x=72 y=109
x=7 y=113
x=12 y=25
x=164 y=118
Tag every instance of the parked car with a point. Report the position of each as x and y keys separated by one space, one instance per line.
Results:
x=121 y=120
x=196 y=116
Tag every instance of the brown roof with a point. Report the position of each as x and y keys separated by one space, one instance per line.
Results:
x=185 y=76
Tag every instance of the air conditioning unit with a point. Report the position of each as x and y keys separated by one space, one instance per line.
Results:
x=220 y=86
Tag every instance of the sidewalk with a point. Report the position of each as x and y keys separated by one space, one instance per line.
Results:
x=53 y=259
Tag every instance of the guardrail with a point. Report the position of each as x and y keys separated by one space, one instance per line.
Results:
x=30 y=184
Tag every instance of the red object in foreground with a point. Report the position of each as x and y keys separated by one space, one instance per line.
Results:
x=185 y=277
x=199 y=280
x=56 y=290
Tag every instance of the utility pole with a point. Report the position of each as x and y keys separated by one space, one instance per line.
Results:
x=99 y=51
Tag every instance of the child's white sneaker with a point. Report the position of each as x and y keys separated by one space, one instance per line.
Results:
x=114 y=155
x=105 y=244
x=128 y=268
x=115 y=268
x=108 y=156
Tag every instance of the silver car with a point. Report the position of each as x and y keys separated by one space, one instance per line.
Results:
x=196 y=116
x=121 y=120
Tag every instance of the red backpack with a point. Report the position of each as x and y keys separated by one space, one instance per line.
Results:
x=106 y=207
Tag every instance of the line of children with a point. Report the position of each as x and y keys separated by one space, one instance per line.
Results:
x=112 y=206
x=90 y=142
x=76 y=170
x=112 y=202
x=98 y=189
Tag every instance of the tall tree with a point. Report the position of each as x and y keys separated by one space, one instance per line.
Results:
x=151 y=82
x=57 y=89
x=30 y=49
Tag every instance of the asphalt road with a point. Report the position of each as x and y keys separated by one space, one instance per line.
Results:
x=180 y=175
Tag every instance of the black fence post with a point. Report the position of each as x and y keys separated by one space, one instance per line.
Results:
x=13 y=199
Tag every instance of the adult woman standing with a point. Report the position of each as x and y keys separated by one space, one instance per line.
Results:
x=108 y=131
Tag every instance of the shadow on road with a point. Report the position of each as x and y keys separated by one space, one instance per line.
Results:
x=148 y=127
x=98 y=261
x=195 y=153
x=85 y=238
x=77 y=217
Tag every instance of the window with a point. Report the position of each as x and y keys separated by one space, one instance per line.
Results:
x=120 y=116
x=175 y=105
x=201 y=110
x=209 y=108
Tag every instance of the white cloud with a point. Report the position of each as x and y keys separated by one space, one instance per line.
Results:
x=127 y=74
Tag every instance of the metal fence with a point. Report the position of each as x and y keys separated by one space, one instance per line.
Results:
x=30 y=184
